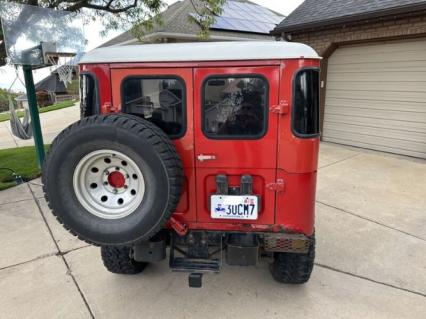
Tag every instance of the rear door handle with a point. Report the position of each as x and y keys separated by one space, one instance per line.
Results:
x=205 y=157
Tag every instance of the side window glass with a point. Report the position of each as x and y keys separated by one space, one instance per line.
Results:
x=158 y=100
x=306 y=103
x=88 y=95
x=235 y=107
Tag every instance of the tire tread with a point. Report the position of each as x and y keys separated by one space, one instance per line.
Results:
x=119 y=261
x=293 y=268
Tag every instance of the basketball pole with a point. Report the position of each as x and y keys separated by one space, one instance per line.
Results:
x=35 y=118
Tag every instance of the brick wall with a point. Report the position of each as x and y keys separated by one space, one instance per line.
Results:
x=326 y=39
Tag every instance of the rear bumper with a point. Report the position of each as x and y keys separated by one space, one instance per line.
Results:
x=243 y=227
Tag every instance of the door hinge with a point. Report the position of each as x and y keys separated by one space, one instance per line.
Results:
x=281 y=108
x=278 y=186
x=180 y=228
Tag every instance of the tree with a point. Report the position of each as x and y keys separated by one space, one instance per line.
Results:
x=137 y=15
x=4 y=99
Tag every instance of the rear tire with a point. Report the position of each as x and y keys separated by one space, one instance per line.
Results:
x=292 y=268
x=118 y=260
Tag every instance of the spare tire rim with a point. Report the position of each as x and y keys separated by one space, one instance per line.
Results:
x=108 y=184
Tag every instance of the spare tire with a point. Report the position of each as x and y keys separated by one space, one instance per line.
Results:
x=112 y=179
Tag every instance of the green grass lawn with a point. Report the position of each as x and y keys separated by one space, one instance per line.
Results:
x=22 y=160
x=53 y=107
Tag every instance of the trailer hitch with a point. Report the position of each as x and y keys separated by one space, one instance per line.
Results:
x=195 y=280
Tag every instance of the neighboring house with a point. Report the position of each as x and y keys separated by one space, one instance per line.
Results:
x=22 y=101
x=239 y=21
x=49 y=89
x=373 y=72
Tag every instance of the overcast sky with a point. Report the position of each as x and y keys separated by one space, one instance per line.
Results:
x=7 y=74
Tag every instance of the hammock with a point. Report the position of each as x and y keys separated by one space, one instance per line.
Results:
x=20 y=129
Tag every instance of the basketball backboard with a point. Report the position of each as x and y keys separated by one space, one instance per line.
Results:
x=33 y=33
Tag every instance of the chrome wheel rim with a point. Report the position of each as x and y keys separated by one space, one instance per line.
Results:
x=108 y=184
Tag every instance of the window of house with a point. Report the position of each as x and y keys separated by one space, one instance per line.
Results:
x=306 y=103
x=235 y=107
x=158 y=100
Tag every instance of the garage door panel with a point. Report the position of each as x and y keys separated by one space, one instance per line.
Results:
x=413 y=56
x=393 y=76
x=379 y=86
x=382 y=48
x=376 y=97
x=418 y=97
x=402 y=66
x=376 y=140
x=378 y=105
x=392 y=133
x=372 y=122
x=378 y=114
x=377 y=147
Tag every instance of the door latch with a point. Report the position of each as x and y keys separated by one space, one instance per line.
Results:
x=204 y=157
x=281 y=108
x=278 y=186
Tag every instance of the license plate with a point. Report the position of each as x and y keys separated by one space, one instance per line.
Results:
x=234 y=206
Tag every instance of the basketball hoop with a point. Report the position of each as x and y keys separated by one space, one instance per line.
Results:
x=34 y=38
x=65 y=66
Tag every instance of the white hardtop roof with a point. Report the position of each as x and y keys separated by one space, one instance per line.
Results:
x=200 y=51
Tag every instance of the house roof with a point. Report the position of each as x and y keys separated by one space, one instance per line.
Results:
x=315 y=13
x=200 y=51
x=51 y=84
x=175 y=24
x=22 y=97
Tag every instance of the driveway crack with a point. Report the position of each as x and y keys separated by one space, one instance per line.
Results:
x=28 y=261
x=371 y=220
x=370 y=279
x=62 y=255
x=339 y=161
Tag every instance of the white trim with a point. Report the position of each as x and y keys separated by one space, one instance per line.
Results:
x=200 y=51
x=184 y=36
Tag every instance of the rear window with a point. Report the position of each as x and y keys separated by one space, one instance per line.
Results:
x=235 y=107
x=89 y=97
x=158 y=100
x=306 y=103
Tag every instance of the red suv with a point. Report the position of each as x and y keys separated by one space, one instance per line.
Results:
x=209 y=149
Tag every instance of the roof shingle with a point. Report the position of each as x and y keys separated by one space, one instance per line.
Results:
x=313 y=13
x=175 y=19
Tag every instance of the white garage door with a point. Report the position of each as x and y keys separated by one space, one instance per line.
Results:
x=376 y=97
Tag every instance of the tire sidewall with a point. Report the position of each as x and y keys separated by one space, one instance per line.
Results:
x=126 y=230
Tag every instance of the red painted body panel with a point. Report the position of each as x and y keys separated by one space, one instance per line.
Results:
x=295 y=155
x=206 y=185
x=102 y=73
x=278 y=155
x=184 y=145
x=295 y=206
x=237 y=153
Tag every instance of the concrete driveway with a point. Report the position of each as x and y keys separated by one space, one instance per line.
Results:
x=371 y=257
x=51 y=122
